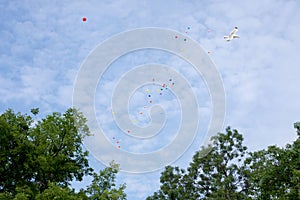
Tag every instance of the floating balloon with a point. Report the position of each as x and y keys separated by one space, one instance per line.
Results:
x=98 y=62
x=188 y=28
x=84 y=19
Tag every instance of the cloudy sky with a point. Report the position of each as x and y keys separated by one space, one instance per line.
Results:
x=43 y=46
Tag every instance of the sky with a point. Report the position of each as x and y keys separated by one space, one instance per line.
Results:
x=45 y=45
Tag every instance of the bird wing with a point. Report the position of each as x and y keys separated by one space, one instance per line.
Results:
x=233 y=32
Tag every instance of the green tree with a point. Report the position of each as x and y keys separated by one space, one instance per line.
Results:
x=214 y=173
x=225 y=170
x=34 y=154
x=275 y=171
x=16 y=152
x=58 y=155
x=176 y=184
x=55 y=191
x=39 y=159
x=103 y=185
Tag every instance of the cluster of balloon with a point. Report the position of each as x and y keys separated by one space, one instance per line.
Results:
x=187 y=29
x=114 y=138
x=209 y=31
x=117 y=142
x=177 y=37
x=163 y=86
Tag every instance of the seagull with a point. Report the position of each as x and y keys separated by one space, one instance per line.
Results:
x=232 y=35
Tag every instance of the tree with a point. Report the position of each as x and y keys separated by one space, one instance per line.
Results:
x=103 y=185
x=214 y=172
x=58 y=153
x=55 y=191
x=218 y=174
x=275 y=171
x=16 y=151
x=39 y=159
x=175 y=185
x=225 y=170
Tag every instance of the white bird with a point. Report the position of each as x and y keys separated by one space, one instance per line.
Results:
x=232 y=35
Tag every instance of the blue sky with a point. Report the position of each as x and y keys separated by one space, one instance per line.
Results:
x=43 y=45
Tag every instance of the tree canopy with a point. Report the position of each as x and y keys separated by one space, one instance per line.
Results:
x=40 y=158
x=226 y=170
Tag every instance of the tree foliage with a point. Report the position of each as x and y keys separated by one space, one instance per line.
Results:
x=275 y=171
x=225 y=170
x=214 y=172
x=39 y=158
x=103 y=185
